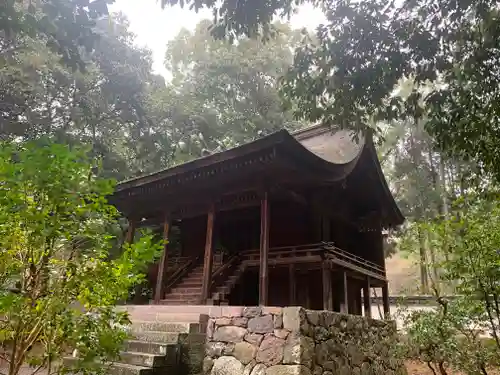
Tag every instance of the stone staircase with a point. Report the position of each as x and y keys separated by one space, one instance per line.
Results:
x=162 y=343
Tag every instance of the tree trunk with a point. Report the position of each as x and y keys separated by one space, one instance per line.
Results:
x=416 y=159
x=424 y=278
x=444 y=190
x=430 y=246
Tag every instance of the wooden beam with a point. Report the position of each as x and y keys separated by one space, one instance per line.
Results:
x=264 y=250
x=129 y=237
x=327 y=287
x=293 y=285
x=367 y=302
x=385 y=300
x=344 y=303
x=162 y=267
x=209 y=256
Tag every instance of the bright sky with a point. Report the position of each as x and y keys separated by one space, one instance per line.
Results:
x=154 y=27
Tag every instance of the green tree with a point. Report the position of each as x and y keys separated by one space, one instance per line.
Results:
x=58 y=285
x=65 y=26
x=105 y=106
x=224 y=94
x=348 y=74
x=453 y=333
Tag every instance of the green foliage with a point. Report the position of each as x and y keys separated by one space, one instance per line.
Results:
x=234 y=18
x=65 y=26
x=58 y=285
x=470 y=265
x=105 y=106
x=349 y=73
x=449 y=337
x=222 y=94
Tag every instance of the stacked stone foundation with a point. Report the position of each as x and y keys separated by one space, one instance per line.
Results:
x=295 y=341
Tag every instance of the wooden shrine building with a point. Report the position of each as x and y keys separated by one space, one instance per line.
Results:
x=284 y=220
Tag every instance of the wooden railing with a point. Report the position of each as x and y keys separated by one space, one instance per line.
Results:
x=315 y=252
x=182 y=271
x=223 y=272
x=332 y=250
x=284 y=252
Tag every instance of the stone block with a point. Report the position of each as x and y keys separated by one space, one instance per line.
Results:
x=227 y=366
x=272 y=310
x=270 y=351
x=298 y=350
x=240 y=322
x=288 y=370
x=251 y=312
x=259 y=369
x=278 y=321
x=228 y=349
x=321 y=334
x=281 y=333
x=254 y=338
x=292 y=318
x=261 y=324
x=313 y=317
x=223 y=321
x=231 y=311
x=330 y=366
x=210 y=328
x=244 y=352
x=208 y=363
x=229 y=334
x=249 y=367
x=214 y=349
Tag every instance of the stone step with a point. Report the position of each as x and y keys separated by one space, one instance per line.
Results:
x=180 y=303
x=165 y=317
x=171 y=358
x=156 y=336
x=139 y=310
x=150 y=347
x=158 y=326
x=119 y=368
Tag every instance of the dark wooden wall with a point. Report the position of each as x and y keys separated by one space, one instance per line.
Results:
x=290 y=224
x=193 y=235
x=370 y=247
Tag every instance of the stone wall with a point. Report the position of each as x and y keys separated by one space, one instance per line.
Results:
x=295 y=341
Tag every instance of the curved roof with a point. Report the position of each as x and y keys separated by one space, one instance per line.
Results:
x=332 y=155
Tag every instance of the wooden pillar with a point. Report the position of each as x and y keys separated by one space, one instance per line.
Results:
x=327 y=287
x=162 y=267
x=264 y=250
x=385 y=300
x=367 y=302
x=129 y=237
x=209 y=257
x=344 y=303
x=293 y=285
